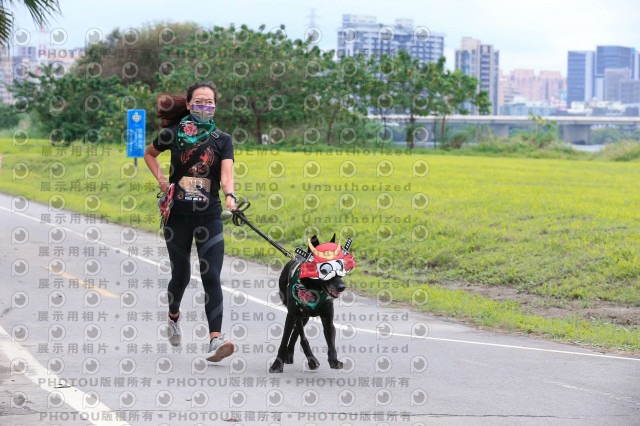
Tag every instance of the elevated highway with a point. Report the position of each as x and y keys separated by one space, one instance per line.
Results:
x=572 y=129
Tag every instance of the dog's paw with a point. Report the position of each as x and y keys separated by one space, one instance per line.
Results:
x=313 y=363
x=288 y=359
x=277 y=366
x=336 y=364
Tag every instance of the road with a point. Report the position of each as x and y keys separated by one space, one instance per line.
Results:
x=83 y=341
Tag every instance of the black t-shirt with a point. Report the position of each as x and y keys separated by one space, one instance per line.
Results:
x=195 y=171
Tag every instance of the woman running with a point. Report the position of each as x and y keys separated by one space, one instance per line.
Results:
x=201 y=165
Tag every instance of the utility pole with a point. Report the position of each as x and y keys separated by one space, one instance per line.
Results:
x=312 y=17
x=312 y=28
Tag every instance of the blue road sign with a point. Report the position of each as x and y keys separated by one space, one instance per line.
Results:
x=136 y=124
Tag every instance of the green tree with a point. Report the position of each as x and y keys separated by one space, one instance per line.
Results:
x=112 y=116
x=409 y=81
x=134 y=55
x=454 y=89
x=9 y=117
x=408 y=87
x=40 y=11
x=67 y=108
x=606 y=135
x=376 y=90
x=260 y=76
x=339 y=89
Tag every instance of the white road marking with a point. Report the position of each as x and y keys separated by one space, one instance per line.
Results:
x=345 y=326
x=593 y=391
x=47 y=381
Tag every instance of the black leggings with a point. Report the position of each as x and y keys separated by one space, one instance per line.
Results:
x=179 y=232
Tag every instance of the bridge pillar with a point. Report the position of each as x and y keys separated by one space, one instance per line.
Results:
x=576 y=133
x=500 y=130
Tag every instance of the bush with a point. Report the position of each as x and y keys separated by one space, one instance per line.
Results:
x=545 y=134
x=627 y=150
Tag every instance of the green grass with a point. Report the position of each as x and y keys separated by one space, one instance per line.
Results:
x=562 y=230
x=504 y=315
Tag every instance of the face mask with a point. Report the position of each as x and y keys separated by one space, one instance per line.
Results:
x=202 y=113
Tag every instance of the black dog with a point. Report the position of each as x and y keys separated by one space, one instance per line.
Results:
x=308 y=285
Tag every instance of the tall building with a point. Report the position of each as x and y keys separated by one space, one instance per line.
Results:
x=523 y=83
x=551 y=86
x=26 y=59
x=14 y=68
x=28 y=52
x=612 y=57
x=617 y=57
x=483 y=62
x=581 y=67
x=597 y=75
x=362 y=34
x=507 y=92
x=612 y=78
x=630 y=91
x=6 y=75
x=547 y=87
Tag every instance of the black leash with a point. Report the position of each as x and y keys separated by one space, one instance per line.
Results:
x=239 y=219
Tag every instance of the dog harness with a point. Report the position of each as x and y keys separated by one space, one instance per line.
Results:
x=306 y=300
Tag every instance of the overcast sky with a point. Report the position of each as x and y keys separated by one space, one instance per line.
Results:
x=529 y=34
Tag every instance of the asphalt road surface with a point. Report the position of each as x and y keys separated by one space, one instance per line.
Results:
x=83 y=341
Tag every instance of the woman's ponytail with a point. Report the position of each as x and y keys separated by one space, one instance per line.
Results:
x=172 y=107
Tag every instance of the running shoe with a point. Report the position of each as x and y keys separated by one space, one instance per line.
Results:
x=175 y=332
x=219 y=348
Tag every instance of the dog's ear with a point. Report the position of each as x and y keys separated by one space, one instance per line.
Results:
x=333 y=240
x=314 y=241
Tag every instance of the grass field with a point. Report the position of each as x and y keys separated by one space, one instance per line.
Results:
x=446 y=234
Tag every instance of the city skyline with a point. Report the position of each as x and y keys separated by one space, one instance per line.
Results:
x=530 y=35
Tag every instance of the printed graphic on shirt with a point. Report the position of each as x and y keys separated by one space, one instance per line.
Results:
x=206 y=161
x=194 y=189
x=186 y=154
x=202 y=160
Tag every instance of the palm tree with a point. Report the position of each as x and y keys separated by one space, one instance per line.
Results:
x=40 y=11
